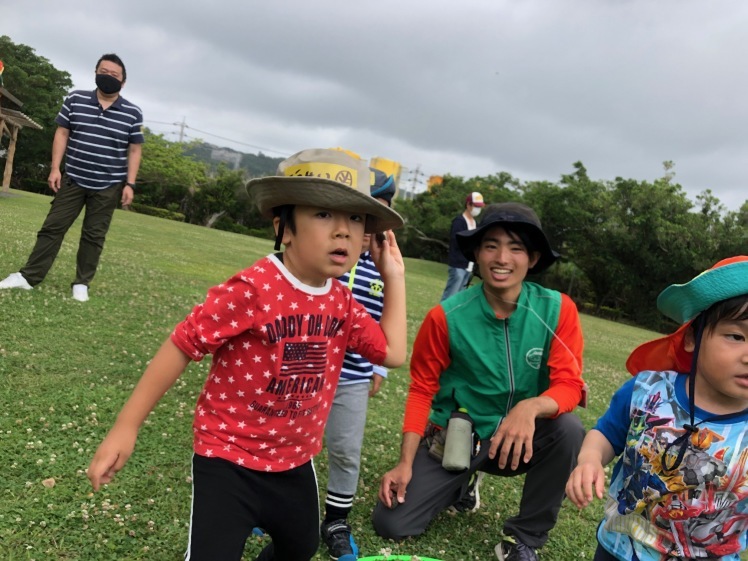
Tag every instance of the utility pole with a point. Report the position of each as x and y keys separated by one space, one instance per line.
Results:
x=182 y=126
x=414 y=180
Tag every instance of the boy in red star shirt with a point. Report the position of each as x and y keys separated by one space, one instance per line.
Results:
x=278 y=332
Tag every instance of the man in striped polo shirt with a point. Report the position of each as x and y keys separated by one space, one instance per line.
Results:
x=100 y=134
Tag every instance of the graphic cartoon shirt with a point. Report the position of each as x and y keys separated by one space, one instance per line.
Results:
x=660 y=508
x=277 y=346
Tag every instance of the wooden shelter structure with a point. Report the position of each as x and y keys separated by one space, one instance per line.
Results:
x=12 y=121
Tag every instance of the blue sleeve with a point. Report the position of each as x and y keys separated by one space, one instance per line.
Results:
x=614 y=424
x=63 y=117
x=136 y=130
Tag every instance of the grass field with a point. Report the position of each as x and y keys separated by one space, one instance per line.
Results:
x=66 y=368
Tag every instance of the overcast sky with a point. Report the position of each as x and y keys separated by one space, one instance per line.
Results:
x=469 y=88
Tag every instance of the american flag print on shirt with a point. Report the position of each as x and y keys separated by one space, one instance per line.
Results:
x=304 y=358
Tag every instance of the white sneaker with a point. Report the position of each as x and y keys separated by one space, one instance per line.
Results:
x=15 y=280
x=80 y=292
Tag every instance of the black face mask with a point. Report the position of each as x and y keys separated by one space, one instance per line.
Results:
x=108 y=84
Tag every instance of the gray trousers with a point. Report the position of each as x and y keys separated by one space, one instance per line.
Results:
x=344 y=436
x=66 y=206
x=432 y=489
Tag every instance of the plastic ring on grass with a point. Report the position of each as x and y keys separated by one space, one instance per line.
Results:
x=397 y=558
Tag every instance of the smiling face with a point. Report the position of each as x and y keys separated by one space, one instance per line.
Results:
x=503 y=261
x=722 y=367
x=325 y=245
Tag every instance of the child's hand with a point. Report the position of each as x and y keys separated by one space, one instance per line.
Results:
x=585 y=477
x=387 y=257
x=376 y=383
x=111 y=455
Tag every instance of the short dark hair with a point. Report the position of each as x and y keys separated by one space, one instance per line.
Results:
x=290 y=221
x=516 y=230
x=735 y=309
x=111 y=57
x=517 y=233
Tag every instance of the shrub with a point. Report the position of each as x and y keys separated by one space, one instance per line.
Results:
x=264 y=233
x=35 y=186
x=228 y=225
x=157 y=212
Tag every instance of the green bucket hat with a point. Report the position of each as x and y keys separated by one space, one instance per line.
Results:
x=726 y=279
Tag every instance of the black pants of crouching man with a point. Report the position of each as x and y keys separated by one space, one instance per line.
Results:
x=432 y=489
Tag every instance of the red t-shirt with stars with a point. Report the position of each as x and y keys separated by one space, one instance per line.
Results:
x=277 y=347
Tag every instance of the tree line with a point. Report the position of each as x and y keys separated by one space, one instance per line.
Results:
x=621 y=241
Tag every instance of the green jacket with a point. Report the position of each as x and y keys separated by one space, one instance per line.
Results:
x=495 y=362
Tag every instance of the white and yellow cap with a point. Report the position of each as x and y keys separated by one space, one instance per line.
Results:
x=327 y=178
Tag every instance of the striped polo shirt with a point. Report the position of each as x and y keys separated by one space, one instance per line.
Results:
x=96 y=154
x=368 y=289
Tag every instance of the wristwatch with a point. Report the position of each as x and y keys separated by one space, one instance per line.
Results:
x=130 y=184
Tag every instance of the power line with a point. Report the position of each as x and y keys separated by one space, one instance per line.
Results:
x=415 y=178
x=183 y=125
x=238 y=141
x=162 y=123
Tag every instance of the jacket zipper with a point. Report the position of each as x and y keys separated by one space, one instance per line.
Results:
x=510 y=371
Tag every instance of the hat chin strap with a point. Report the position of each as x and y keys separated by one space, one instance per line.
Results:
x=691 y=428
x=281 y=227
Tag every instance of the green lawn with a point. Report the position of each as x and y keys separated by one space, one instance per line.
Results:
x=66 y=368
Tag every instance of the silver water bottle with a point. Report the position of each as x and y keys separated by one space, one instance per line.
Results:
x=459 y=444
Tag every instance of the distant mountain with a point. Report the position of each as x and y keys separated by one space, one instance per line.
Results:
x=256 y=165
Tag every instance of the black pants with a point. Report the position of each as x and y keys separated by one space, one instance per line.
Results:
x=601 y=554
x=66 y=206
x=229 y=500
x=432 y=489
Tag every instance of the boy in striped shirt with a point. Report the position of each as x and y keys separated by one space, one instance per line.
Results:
x=359 y=380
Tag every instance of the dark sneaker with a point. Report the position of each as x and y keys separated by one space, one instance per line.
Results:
x=511 y=549
x=470 y=501
x=340 y=544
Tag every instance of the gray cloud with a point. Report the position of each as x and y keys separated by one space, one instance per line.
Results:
x=468 y=88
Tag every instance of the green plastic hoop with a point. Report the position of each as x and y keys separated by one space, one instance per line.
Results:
x=397 y=558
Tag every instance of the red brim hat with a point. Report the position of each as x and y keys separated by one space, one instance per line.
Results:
x=665 y=353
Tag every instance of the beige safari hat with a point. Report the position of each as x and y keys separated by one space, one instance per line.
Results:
x=325 y=178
